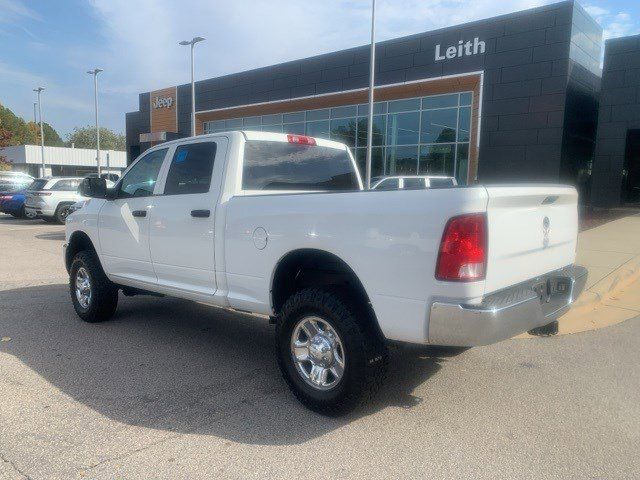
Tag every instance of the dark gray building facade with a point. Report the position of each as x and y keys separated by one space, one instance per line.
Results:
x=616 y=165
x=510 y=98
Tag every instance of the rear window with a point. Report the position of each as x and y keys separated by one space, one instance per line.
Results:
x=66 y=185
x=413 y=183
x=287 y=166
x=37 y=184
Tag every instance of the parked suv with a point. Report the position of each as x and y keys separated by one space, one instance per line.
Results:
x=50 y=198
x=14 y=181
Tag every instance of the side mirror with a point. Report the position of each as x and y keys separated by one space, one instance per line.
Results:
x=93 y=187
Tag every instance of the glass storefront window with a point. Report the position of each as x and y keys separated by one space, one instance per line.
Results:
x=344 y=130
x=426 y=135
x=402 y=161
x=440 y=101
x=437 y=159
x=462 y=163
x=439 y=126
x=319 y=129
x=377 y=162
x=464 y=124
x=402 y=128
x=378 y=130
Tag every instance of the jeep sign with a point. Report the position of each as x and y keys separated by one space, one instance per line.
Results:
x=162 y=102
x=461 y=50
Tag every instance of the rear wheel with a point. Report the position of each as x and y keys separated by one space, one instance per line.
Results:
x=94 y=296
x=62 y=212
x=29 y=214
x=328 y=354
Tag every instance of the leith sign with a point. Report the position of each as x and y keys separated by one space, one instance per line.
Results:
x=462 y=49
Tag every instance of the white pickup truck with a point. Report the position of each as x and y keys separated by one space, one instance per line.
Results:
x=280 y=225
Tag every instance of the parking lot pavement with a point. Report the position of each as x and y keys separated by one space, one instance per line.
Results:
x=173 y=389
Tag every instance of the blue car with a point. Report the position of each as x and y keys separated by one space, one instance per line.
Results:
x=13 y=204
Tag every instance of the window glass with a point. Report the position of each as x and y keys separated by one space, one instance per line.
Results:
x=440 y=182
x=436 y=159
x=272 y=128
x=141 y=179
x=377 y=162
x=464 y=123
x=37 y=185
x=439 y=126
x=319 y=129
x=465 y=98
x=378 y=130
x=344 y=130
x=287 y=166
x=440 y=101
x=341 y=112
x=402 y=161
x=66 y=185
x=389 y=184
x=462 y=163
x=413 y=183
x=233 y=123
x=191 y=168
x=322 y=114
x=404 y=105
x=378 y=108
x=402 y=128
x=251 y=121
x=293 y=117
x=296 y=128
x=272 y=119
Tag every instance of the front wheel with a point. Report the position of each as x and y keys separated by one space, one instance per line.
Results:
x=330 y=357
x=62 y=212
x=94 y=296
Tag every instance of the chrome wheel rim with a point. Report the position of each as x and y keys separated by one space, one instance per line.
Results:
x=64 y=213
x=83 y=287
x=317 y=353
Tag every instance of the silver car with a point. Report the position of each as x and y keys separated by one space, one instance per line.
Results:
x=50 y=198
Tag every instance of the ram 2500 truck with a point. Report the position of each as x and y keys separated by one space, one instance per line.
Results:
x=280 y=225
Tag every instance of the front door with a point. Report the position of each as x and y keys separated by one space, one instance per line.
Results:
x=124 y=221
x=182 y=218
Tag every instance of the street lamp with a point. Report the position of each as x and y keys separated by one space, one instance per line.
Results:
x=95 y=73
x=372 y=68
x=39 y=90
x=193 y=41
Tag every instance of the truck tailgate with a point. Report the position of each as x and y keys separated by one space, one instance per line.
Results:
x=532 y=231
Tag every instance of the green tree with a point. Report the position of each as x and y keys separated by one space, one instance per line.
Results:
x=85 y=137
x=17 y=132
x=51 y=137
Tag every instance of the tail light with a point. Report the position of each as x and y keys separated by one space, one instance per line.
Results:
x=301 y=139
x=463 y=249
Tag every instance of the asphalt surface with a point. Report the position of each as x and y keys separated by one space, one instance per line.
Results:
x=173 y=389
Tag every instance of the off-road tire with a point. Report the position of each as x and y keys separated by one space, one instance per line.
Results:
x=104 y=293
x=366 y=355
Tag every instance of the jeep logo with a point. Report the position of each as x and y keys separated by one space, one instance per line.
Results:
x=162 y=102
x=462 y=49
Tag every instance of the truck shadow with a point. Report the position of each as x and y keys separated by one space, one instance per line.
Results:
x=180 y=366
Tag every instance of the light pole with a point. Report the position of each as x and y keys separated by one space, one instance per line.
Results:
x=372 y=68
x=95 y=73
x=35 y=117
x=193 y=41
x=39 y=90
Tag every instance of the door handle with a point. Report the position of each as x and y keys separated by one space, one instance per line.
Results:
x=200 y=213
x=139 y=213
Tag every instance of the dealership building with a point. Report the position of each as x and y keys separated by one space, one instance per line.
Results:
x=510 y=98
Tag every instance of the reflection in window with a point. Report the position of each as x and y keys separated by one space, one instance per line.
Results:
x=402 y=128
x=437 y=159
x=378 y=130
x=377 y=162
x=191 y=168
x=464 y=124
x=318 y=129
x=462 y=163
x=439 y=126
x=141 y=179
x=402 y=161
x=344 y=130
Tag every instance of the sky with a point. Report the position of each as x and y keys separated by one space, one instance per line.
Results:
x=52 y=43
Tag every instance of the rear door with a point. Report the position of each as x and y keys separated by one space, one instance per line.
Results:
x=532 y=230
x=182 y=219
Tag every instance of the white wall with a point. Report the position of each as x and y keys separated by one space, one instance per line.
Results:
x=81 y=157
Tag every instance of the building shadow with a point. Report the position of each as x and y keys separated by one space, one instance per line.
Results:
x=181 y=366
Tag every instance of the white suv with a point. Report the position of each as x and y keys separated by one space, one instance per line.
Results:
x=50 y=198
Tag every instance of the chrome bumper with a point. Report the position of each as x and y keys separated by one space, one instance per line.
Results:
x=508 y=312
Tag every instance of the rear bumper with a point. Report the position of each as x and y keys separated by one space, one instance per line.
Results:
x=509 y=312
